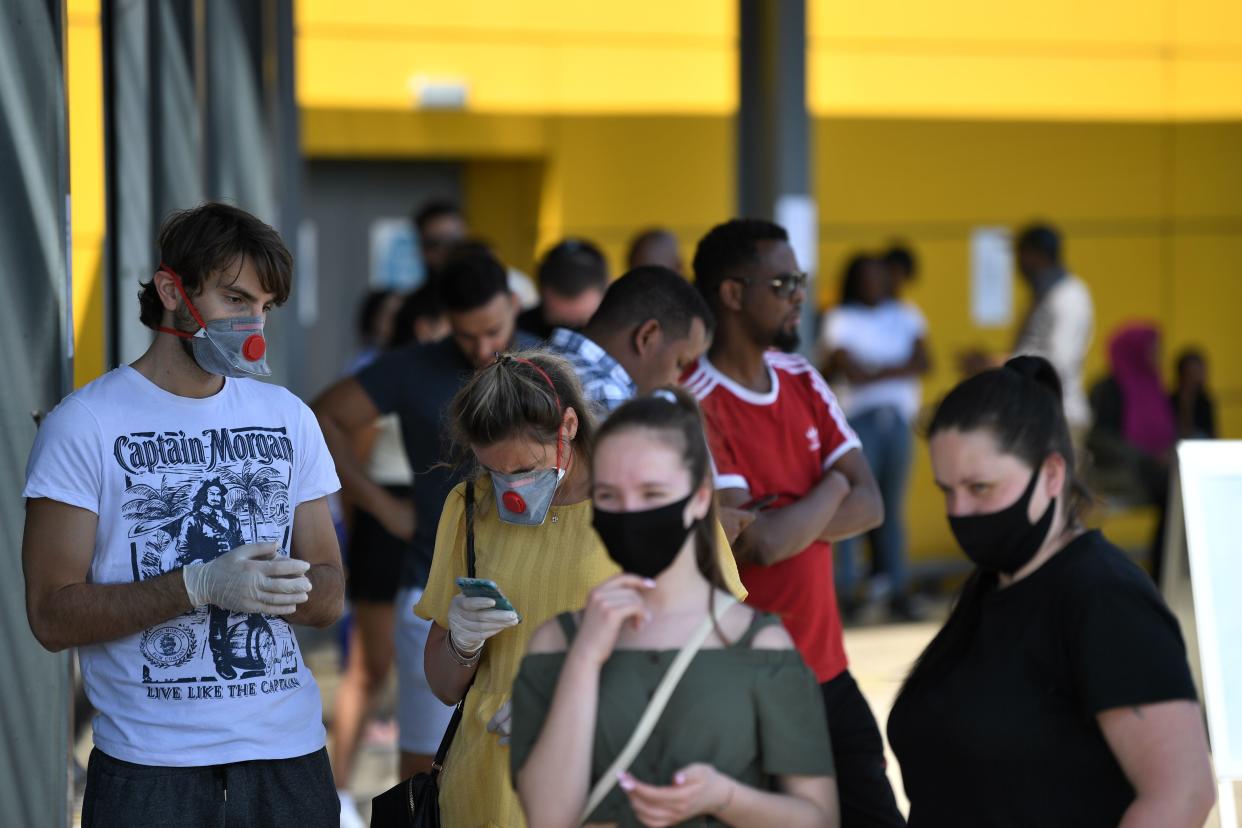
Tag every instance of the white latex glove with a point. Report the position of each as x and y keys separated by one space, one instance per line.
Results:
x=250 y=578
x=500 y=723
x=472 y=621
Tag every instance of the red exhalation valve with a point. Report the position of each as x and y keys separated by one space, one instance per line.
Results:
x=514 y=502
x=254 y=347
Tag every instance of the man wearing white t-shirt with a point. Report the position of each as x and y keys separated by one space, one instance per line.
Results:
x=1061 y=322
x=875 y=352
x=1058 y=327
x=176 y=525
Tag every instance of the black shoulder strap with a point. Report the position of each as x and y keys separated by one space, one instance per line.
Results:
x=569 y=626
x=470 y=528
x=455 y=721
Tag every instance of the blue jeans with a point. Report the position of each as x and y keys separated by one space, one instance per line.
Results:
x=297 y=793
x=887 y=443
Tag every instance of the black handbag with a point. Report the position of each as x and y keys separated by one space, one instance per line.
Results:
x=415 y=802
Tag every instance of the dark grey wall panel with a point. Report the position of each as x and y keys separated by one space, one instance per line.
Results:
x=131 y=213
x=343 y=198
x=34 y=684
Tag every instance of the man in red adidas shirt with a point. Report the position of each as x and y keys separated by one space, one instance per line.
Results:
x=775 y=429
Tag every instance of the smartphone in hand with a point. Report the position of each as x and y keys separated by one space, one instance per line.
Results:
x=485 y=588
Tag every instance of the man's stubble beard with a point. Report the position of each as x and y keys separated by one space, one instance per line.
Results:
x=787 y=341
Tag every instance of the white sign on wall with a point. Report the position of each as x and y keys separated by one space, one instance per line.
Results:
x=991 y=277
x=395 y=260
x=797 y=214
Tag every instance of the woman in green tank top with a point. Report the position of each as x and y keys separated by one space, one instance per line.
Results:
x=743 y=740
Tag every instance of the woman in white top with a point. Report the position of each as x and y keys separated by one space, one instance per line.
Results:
x=875 y=352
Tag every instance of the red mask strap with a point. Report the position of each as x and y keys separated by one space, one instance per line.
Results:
x=189 y=305
x=555 y=396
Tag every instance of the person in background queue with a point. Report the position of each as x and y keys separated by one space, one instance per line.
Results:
x=1191 y=398
x=656 y=246
x=573 y=276
x=1059 y=324
x=442 y=230
x=875 y=352
x=651 y=324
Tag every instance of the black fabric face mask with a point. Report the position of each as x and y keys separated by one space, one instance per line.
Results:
x=1004 y=541
x=644 y=543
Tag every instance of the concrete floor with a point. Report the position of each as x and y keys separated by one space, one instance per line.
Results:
x=880 y=655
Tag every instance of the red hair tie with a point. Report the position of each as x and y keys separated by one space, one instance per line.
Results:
x=555 y=396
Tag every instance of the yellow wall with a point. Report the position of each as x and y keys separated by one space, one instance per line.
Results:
x=1151 y=213
x=1055 y=59
x=84 y=86
x=527 y=57
x=1058 y=59
x=1118 y=119
x=931 y=118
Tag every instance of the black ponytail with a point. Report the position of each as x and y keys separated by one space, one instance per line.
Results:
x=1020 y=405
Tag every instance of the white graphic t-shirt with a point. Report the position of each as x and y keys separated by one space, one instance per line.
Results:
x=176 y=480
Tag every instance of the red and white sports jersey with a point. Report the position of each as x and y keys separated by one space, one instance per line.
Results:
x=781 y=443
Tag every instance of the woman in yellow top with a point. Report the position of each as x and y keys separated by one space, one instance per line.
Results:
x=526 y=423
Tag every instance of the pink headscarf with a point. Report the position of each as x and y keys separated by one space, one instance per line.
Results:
x=1147 y=418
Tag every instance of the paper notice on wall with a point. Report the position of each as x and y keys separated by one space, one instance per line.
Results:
x=306 y=270
x=395 y=260
x=991 y=277
x=797 y=214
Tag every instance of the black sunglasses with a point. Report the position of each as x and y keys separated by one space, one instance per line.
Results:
x=784 y=285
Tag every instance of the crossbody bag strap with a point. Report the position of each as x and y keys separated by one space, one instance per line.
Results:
x=654 y=709
x=449 y=732
x=470 y=528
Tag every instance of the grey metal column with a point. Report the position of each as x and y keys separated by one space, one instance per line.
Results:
x=128 y=152
x=774 y=129
x=36 y=338
x=242 y=139
x=175 y=126
x=290 y=336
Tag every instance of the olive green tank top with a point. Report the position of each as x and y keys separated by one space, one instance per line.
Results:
x=752 y=714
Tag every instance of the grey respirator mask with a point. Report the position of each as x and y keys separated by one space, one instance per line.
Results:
x=230 y=347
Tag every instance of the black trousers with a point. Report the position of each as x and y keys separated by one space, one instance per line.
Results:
x=858 y=751
x=277 y=793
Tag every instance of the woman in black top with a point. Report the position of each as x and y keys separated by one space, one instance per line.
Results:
x=1057 y=693
x=1191 y=400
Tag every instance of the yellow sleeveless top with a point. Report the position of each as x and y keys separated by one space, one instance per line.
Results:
x=544 y=571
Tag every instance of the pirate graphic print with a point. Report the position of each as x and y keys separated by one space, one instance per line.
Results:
x=207 y=532
x=215 y=492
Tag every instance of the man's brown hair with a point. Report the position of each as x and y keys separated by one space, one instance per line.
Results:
x=217 y=238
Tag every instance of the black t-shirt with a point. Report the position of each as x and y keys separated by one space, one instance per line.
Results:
x=1008 y=735
x=1203 y=414
x=532 y=322
x=418 y=382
